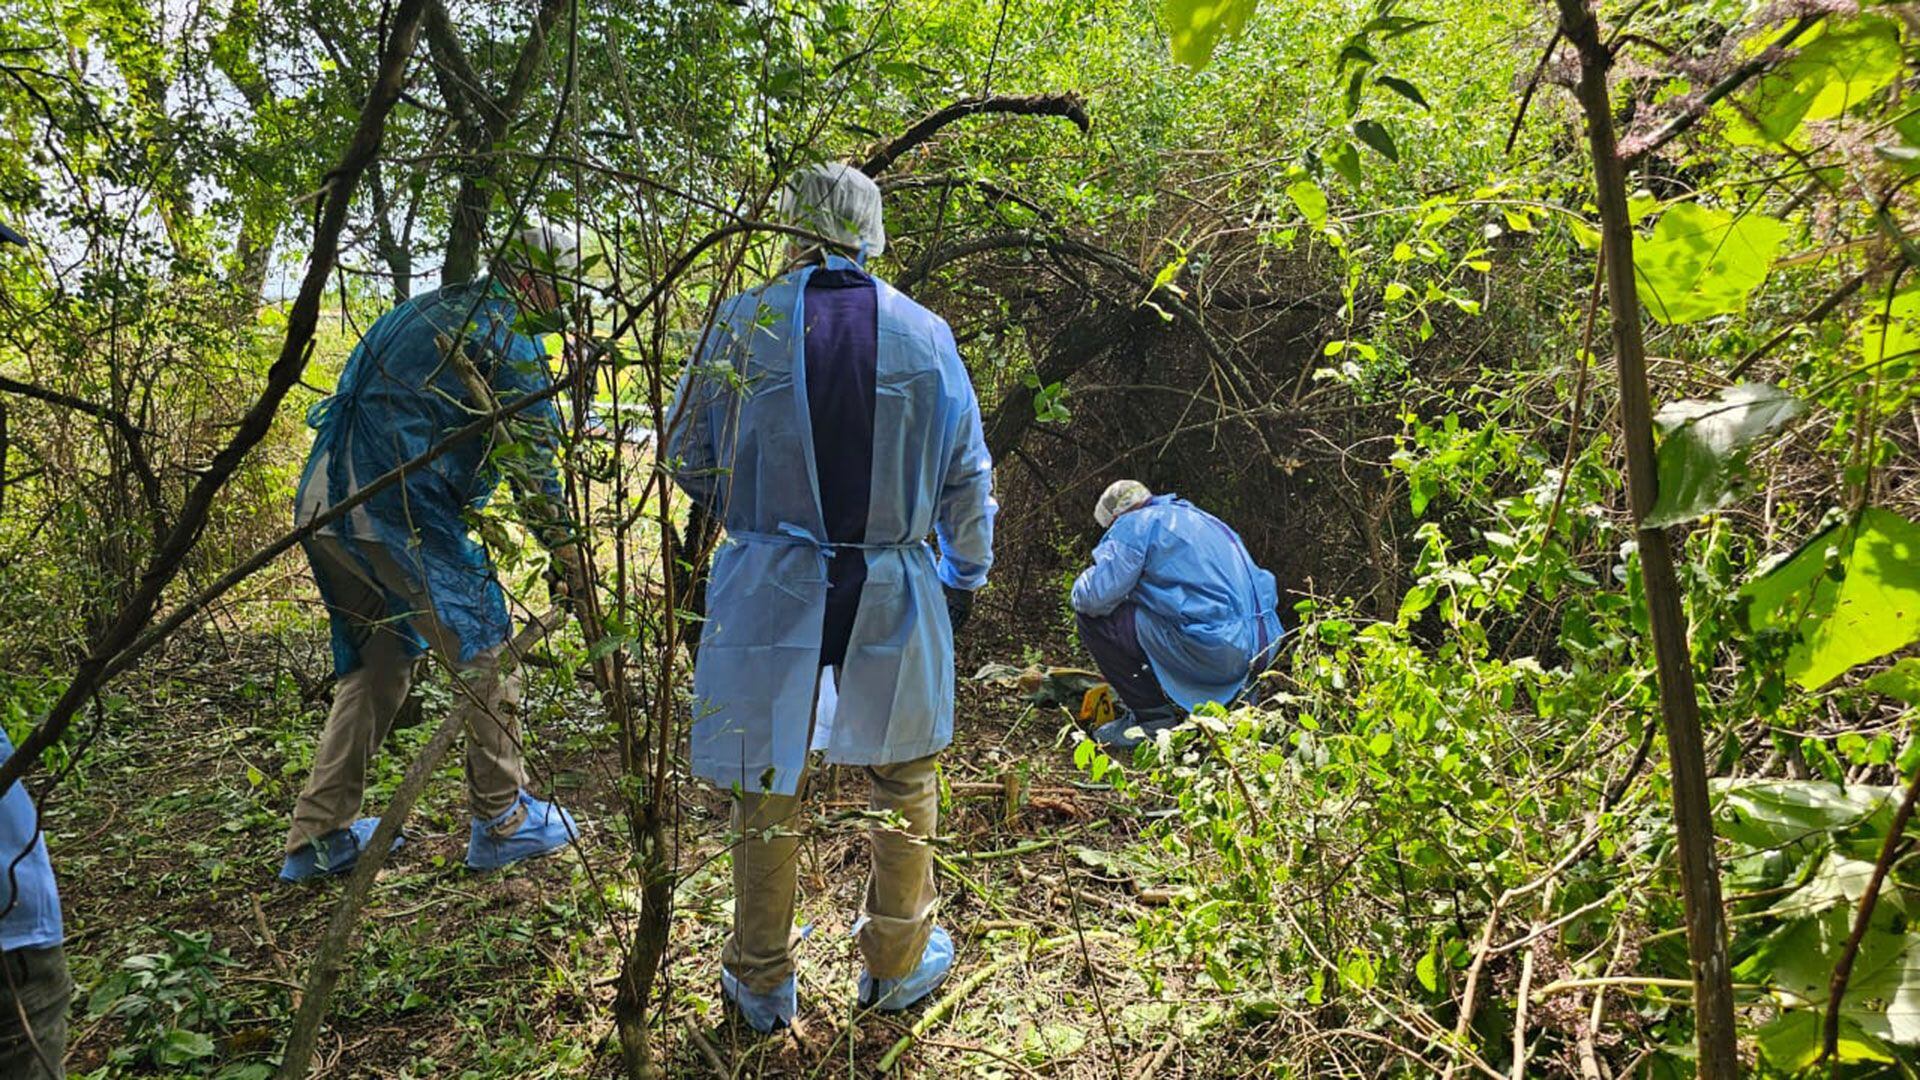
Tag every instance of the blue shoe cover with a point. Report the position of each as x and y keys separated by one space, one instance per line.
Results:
x=766 y=1012
x=547 y=829
x=892 y=995
x=334 y=853
x=1113 y=734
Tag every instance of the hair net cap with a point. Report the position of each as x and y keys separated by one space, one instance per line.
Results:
x=1120 y=497
x=838 y=202
x=544 y=247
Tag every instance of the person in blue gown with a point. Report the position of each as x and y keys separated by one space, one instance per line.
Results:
x=1173 y=609
x=828 y=423
x=402 y=572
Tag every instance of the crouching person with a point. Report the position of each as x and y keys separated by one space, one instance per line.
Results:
x=1173 y=610
x=402 y=573
x=829 y=424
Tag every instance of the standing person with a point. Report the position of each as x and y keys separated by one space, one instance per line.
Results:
x=1173 y=610
x=35 y=988
x=401 y=572
x=830 y=425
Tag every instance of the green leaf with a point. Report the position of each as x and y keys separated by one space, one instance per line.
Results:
x=1427 y=970
x=1083 y=754
x=1405 y=89
x=1883 y=996
x=1346 y=161
x=1902 y=681
x=1889 y=334
x=180 y=1046
x=1701 y=262
x=1836 y=68
x=1311 y=200
x=1793 y=1042
x=1850 y=595
x=1196 y=27
x=1769 y=814
x=1355 y=53
x=1376 y=135
x=1702 y=458
x=1380 y=743
x=1051 y=1041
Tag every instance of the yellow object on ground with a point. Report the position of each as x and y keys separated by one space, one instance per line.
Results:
x=1096 y=706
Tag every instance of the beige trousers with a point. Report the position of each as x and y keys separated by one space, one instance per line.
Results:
x=366 y=700
x=900 y=900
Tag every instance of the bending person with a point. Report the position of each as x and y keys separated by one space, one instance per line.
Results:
x=401 y=572
x=830 y=426
x=1173 y=610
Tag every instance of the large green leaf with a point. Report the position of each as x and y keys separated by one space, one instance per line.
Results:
x=1793 y=1042
x=1851 y=594
x=1889 y=334
x=1195 y=27
x=1883 y=995
x=1833 y=71
x=1704 y=448
x=1311 y=200
x=1770 y=814
x=1701 y=262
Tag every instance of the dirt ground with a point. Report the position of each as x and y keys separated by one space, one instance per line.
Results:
x=177 y=923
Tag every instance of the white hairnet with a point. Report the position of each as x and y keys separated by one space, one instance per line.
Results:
x=1120 y=497
x=838 y=202
x=541 y=246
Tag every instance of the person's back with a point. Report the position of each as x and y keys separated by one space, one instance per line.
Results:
x=855 y=498
x=1196 y=572
x=398 y=395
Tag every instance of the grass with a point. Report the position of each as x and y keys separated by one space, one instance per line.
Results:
x=188 y=953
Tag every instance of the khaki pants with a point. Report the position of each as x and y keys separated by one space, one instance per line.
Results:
x=366 y=700
x=900 y=894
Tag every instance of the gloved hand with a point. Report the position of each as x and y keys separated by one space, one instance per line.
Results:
x=556 y=581
x=959 y=606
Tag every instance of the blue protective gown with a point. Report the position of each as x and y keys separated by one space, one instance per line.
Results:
x=27 y=894
x=1205 y=613
x=396 y=398
x=742 y=443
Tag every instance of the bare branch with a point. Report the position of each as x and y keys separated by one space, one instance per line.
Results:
x=1066 y=106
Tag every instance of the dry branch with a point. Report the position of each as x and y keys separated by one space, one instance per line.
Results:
x=1068 y=106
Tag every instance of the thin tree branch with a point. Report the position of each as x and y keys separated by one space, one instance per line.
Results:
x=1067 y=106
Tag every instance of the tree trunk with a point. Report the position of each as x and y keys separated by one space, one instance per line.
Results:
x=1679 y=707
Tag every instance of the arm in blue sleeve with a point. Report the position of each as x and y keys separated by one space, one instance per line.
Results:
x=963 y=522
x=1110 y=580
x=692 y=451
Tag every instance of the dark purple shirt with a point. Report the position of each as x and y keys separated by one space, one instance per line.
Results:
x=842 y=355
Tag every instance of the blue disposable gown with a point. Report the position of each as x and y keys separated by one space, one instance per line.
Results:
x=1204 y=612
x=397 y=397
x=28 y=896
x=742 y=444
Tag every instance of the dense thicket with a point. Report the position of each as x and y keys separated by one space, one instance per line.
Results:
x=1335 y=276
